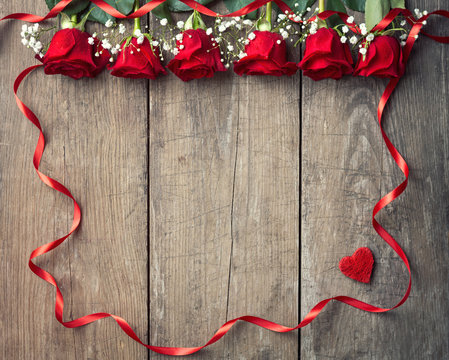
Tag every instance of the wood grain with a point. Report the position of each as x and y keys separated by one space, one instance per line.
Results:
x=346 y=168
x=96 y=133
x=208 y=200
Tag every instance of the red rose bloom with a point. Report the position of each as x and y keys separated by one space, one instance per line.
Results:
x=266 y=54
x=326 y=56
x=143 y=62
x=70 y=54
x=383 y=58
x=198 y=56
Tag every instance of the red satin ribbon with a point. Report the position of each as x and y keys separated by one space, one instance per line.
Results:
x=384 y=201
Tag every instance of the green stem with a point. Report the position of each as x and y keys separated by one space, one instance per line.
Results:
x=137 y=25
x=321 y=5
x=321 y=8
x=74 y=19
x=269 y=12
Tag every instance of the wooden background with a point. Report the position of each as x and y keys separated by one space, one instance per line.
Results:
x=218 y=198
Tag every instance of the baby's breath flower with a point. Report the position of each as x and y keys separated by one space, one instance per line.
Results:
x=180 y=24
x=353 y=40
x=109 y=23
x=91 y=40
x=164 y=22
x=209 y=31
x=362 y=51
x=121 y=29
x=343 y=39
x=370 y=37
x=345 y=29
x=350 y=19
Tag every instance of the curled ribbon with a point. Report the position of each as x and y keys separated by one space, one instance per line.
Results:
x=384 y=201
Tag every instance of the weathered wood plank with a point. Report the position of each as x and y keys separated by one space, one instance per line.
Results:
x=346 y=168
x=265 y=228
x=192 y=152
x=97 y=139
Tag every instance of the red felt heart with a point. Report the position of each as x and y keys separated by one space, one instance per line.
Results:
x=359 y=266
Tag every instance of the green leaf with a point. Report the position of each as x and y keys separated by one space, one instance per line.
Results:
x=98 y=15
x=75 y=7
x=162 y=12
x=301 y=8
x=335 y=5
x=233 y=5
x=397 y=4
x=356 y=5
x=375 y=11
x=177 y=6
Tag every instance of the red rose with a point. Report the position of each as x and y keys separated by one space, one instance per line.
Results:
x=383 y=58
x=70 y=54
x=266 y=54
x=137 y=61
x=198 y=56
x=326 y=56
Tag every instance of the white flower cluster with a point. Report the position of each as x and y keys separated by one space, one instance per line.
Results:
x=30 y=38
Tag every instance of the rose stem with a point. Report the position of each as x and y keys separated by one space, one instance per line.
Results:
x=321 y=8
x=136 y=20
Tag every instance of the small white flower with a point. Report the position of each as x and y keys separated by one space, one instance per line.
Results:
x=242 y=55
x=106 y=44
x=179 y=37
x=97 y=54
x=288 y=27
x=175 y=51
x=109 y=23
x=137 y=33
x=362 y=51
x=416 y=36
x=403 y=43
x=237 y=18
x=247 y=22
x=309 y=9
x=114 y=51
x=403 y=23
x=222 y=28
x=138 y=49
x=425 y=12
x=370 y=37
x=246 y=42
x=30 y=29
x=227 y=66
x=343 y=39
x=209 y=31
x=111 y=59
x=140 y=39
x=121 y=29
x=353 y=40
x=164 y=22
x=180 y=24
x=252 y=36
x=94 y=35
x=23 y=34
x=281 y=17
x=155 y=43
x=285 y=34
x=36 y=28
x=238 y=26
x=24 y=28
x=166 y=47
x=424 y=22
x=345 y=29
x=131 y=52
x=350 y=19
x=117 y=46
x=25 y=42
x=181 y=47
x=279 y=42
x=296 y=4
x=230 y=48
x=91 y=40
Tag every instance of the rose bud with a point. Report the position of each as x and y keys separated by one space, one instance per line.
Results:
x=70 y=54
x=265 y=54
x=137 y=61
x=383 y=58
x=197 y=56
x=326 y=56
